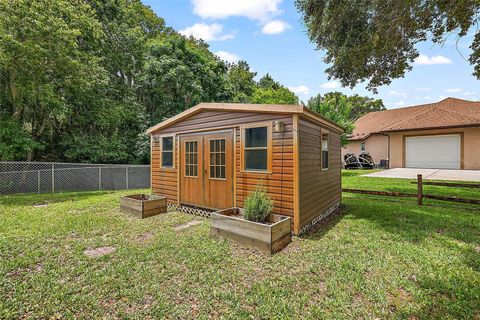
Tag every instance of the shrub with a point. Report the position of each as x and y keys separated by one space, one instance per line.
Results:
x=258 y=205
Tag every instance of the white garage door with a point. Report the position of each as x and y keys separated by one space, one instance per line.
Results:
x=436 y=152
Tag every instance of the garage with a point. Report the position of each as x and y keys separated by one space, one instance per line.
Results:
x=436 y=151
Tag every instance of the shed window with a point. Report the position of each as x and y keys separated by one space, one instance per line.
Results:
x=191 y=159
x=363 y=147
x=256 y=148
x=167 y=152
x=325 y=147
x=217 y=159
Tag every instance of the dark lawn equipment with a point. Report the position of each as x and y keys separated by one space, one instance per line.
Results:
x=366 y=161
x=351 y=161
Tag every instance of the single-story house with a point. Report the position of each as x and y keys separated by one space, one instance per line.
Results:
x=213 y=154
x=441 y=135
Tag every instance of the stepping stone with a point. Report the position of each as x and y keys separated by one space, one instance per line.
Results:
x=40 y=205
x=187 y=225
x=98 y=252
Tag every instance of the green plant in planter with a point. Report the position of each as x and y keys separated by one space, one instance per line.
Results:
x=258 y=205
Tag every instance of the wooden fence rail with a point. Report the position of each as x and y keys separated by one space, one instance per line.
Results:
x=380 y=193
x=450 y=184
x=419 y=195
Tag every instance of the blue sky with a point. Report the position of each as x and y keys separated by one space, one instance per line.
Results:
x=269 y=35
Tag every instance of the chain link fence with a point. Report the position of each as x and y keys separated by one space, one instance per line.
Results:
x=43 y=177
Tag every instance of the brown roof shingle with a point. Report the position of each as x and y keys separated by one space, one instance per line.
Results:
x=450 y=112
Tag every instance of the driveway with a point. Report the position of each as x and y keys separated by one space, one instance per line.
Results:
x=430 y=174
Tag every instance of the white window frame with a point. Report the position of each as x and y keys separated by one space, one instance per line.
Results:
x=322 y=132
x=268 y=125
x=161 y=151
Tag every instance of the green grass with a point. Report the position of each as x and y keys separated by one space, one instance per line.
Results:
x=354 y=179
x=378 y=259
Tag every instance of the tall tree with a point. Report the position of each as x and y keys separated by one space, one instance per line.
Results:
x=180 y=73
x=267 y=82
x=359 y=105
x=274 y=96
x=47 y=59
x=108 y=129
x=375 y=40
x=335 y=108
x=81 y=80
x=242 y=81
x=270 y=91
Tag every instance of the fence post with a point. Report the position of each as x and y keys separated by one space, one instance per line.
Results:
x=126 y=176
x=99 y=178
x=38 y=181
x=420 y=189
x=53 y=177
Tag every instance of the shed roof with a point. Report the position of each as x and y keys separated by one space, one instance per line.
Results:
x=243 y=107
x=447 y=113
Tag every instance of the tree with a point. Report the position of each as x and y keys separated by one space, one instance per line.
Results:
x=81 y=80
x=267 y=82
x=178 y=74
x=242 y=81
x=359 y=105
x=272 y=92
x=335 y=108
x=15 y=142
x=375 y=40
x=274 y=96
x=343 y=109
x=48 y=58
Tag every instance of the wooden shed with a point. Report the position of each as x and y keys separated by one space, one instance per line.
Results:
x=213 y=154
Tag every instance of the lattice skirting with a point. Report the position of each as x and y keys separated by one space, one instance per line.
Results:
x=318 y=219
x=190 y=210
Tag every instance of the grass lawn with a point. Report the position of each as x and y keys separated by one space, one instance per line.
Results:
x=378 y=259
x=353 y=179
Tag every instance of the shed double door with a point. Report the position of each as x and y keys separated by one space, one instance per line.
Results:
x=206 y=172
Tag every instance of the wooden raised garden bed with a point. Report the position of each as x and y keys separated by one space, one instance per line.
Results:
x=271 y=236
x=143 y=205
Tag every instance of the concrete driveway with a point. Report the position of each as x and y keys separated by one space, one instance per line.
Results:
x=430 y=174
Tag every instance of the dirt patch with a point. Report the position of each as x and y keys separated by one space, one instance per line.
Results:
x=187 y=225
x=477 y=249
x=145 y=237
x=292 y=247
x=98 y=252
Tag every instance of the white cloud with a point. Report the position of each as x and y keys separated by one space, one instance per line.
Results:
x=469 y=93
x=275 y=27
x=207 y=32
x=227 y=56
x=330 y=85
x=260 y=10
x=424 y=98
x=426 y=60
x=299 y=90
x=454 y=90
x=398 y=93
x=423 y=89
x=400 y=103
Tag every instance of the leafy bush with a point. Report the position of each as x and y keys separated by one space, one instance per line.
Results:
x=258 y=205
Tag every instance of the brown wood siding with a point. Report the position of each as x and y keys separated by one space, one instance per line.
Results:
x=164 y=181
x=279 y=182
x=318 y=189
